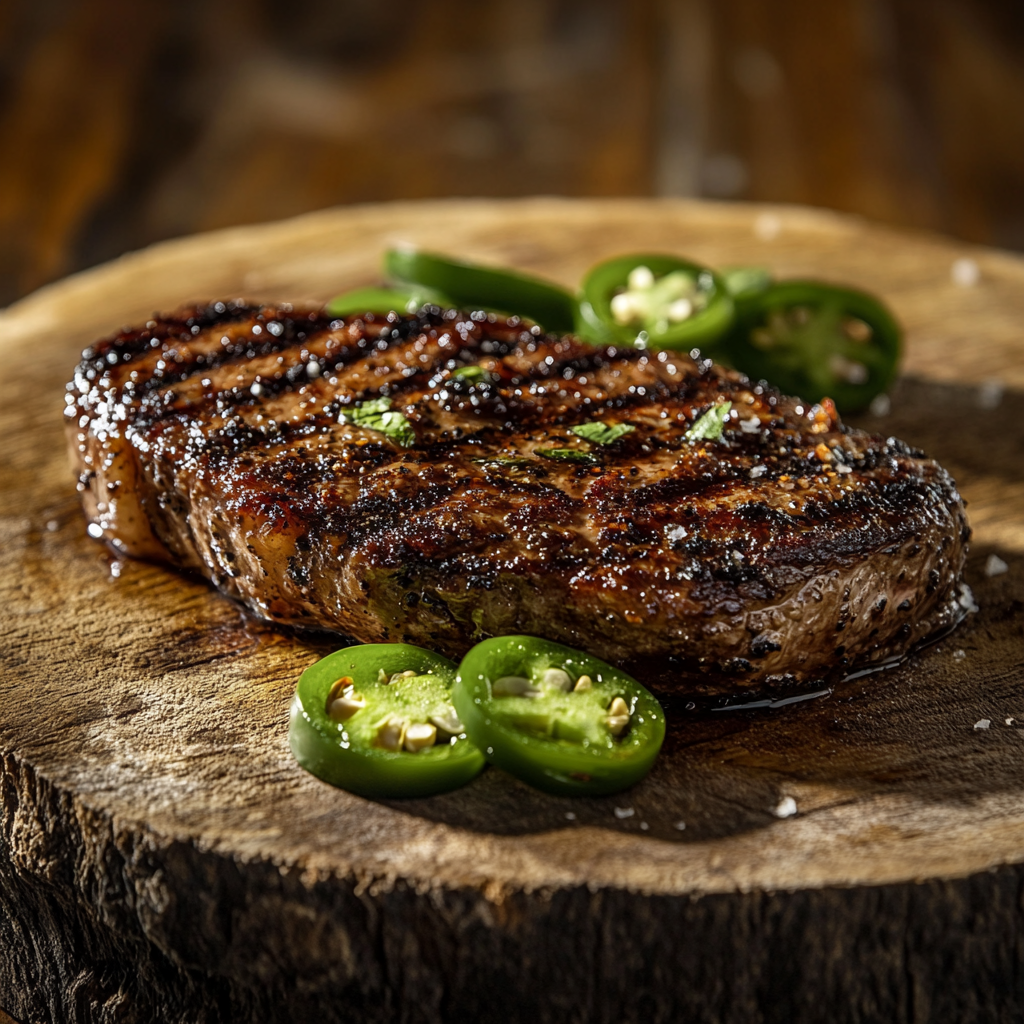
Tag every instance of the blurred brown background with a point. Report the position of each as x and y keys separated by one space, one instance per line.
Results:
x=126 y=122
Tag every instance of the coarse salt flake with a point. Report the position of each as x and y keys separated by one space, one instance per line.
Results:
x=786 y=808
x=965 y=272
x=767 y=226
x=881 y=405
x=990 y=394
x=966 y=599
x=995 y=566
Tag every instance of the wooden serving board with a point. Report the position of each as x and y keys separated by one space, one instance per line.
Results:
x=162 y=858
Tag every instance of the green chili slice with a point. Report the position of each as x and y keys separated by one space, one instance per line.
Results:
x=816 y=340
x=653 y=300
x=470 y=286
x=378 y=720
x=381 y=301
x=557 y=718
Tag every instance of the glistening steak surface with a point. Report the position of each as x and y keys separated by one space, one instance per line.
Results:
x=220 y=439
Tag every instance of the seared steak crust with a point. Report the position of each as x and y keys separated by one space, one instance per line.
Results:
x=220 y=439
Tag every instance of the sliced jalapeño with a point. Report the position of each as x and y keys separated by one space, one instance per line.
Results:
x=557 y=718
x=378 y=720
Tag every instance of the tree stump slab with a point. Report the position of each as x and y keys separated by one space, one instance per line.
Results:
x=163 y=858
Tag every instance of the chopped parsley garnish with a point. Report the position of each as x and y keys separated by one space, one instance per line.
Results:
x=602 y=433
x=566 y=455
x=709 y=426
x=377 y=414
x=473 y=374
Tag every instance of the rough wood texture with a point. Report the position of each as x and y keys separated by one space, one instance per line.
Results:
x=162 y=857
x=127 y=123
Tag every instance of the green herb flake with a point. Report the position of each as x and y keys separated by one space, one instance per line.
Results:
x=472 y=373
x=364 y=411
x=708 y=427
x=377 y=414
x=602 y=433
x=566 y=455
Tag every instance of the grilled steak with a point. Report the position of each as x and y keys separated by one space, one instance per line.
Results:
x=237 y=441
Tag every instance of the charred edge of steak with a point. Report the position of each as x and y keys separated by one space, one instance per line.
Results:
x=220 y=439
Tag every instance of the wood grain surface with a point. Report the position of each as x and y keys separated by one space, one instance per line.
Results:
x=163 y=858
x=127 y=123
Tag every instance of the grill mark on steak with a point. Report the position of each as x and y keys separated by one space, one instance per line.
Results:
x=214 y=439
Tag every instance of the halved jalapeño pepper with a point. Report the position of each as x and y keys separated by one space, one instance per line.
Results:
x=471 y=286
x=557 y=718
x=654 y=300
x=378 y=720
x=384 y=300
x=816 y=340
